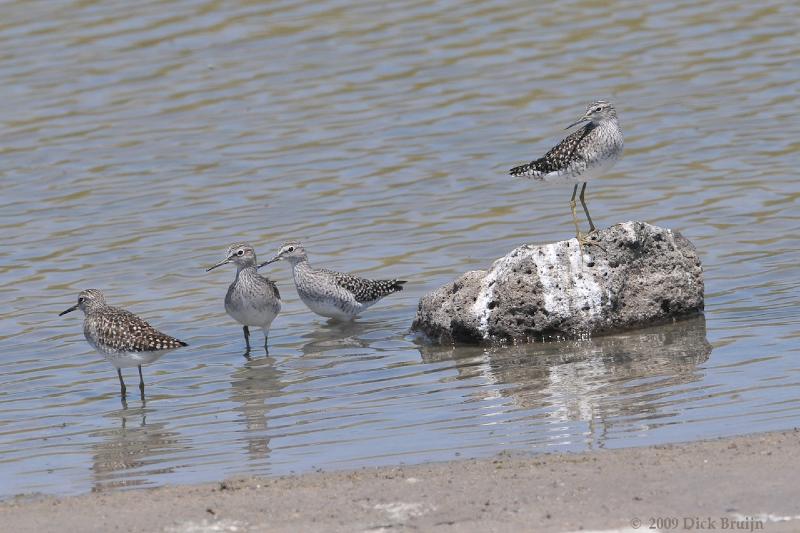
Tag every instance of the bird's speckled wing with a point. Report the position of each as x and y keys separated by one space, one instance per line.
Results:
x=558 y=159
x=366 y=290
x=122 y=331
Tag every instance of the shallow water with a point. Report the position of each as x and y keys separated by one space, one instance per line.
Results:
x=140 y=139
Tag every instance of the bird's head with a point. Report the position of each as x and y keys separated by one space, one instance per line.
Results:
x=88 y=300
x=292 y=251
x=597 y=112
x=239 y=253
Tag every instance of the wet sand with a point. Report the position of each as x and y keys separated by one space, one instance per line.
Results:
x=734 y=484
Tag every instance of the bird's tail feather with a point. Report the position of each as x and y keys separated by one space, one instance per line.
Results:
x=523 y=170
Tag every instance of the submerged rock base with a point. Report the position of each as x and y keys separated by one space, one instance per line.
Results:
x=634 y=275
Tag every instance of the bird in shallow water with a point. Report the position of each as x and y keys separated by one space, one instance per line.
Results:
x=332 y=294
x=251 y=300
x=124 y=339
x=583 y=155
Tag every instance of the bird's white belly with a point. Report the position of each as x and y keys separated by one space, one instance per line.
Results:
x=328 y=308
x=600 y=168
x=133 y=359
x=578 y=174
x=249 y=316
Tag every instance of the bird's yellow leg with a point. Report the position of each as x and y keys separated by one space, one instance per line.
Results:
x=592 y=229
x=572 y=206
x=578 y=235
x=582 y=239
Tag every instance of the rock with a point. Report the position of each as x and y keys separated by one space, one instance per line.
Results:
x=639 y=275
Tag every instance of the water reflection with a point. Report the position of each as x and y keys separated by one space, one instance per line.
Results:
x=133 y=452
x=253 y=387
x=636 y=377
x=345 y=337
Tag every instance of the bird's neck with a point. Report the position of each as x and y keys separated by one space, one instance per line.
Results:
x=299 y=261
x=300 y=266
x=246 y=272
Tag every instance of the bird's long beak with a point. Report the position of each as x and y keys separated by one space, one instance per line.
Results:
x=65 y=311
x=223 y=262
x=265 y=263
x=584 y=118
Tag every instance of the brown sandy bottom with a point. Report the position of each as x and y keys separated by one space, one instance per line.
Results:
x=747 y=483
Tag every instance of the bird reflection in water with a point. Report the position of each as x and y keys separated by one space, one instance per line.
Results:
x=131 y=453
x=634 y=378
x=255 y=388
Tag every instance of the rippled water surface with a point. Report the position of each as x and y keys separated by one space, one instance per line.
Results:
x=140 y=138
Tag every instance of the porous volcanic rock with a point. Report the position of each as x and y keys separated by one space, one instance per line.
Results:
x=635 y=274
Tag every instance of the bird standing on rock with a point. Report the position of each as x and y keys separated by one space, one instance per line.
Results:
x=581 y=156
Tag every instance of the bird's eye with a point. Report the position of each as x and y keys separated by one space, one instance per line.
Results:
x=290 y=249
x=597 y=109
x=240 y=252
x=81 y=300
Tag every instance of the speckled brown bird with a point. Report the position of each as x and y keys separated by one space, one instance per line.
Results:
x=581 y=156
x=124 y=339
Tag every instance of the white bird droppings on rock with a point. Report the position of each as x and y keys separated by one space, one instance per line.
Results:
x=584 y=295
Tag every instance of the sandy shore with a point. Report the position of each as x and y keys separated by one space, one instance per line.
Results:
x=734 y=484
